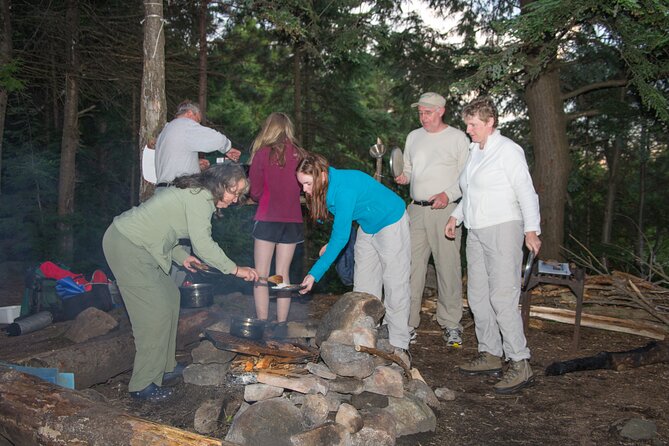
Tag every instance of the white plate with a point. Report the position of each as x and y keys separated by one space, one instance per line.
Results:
x=149 y=165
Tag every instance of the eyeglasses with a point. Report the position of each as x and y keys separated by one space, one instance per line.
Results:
x=426 y=112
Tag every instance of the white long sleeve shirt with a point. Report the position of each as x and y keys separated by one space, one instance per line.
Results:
x=497 y=187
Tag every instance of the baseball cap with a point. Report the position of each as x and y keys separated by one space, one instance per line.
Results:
x=430 y=99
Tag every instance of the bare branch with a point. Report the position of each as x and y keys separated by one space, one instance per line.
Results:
x=596 y=86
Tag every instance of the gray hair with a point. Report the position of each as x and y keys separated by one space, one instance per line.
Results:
x=187 y=106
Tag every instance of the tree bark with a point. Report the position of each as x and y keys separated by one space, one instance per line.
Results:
x=5 y=58
x=70 y=139
x=613 y=162
x=153 y=103
x=551 y=155
x=297 y=87
x=33 y=411
x=203 y=22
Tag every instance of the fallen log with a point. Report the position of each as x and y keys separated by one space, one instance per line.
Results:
x=33 y=411
x=387 y=356
x=652 y=353
x=639 y=328
x=97 y=360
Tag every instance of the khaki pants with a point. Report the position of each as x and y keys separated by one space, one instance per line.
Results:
x=152 y=301
x=382 y=264
x=494 y=258
x=427 y=238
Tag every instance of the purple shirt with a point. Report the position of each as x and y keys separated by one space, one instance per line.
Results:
x=275 y=187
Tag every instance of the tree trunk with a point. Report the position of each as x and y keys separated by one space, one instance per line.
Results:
x=551 y=154
x=70 y=140
x=203 y=22
x=297 y=87
x=153 y=104
x=5 y=58
x=33 y=411
x=613 y=162
x=644 y=155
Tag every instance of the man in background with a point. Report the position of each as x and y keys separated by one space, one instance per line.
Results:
x=182 y=139
x=434 y=156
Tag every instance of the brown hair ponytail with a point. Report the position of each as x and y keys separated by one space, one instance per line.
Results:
x=316 y=166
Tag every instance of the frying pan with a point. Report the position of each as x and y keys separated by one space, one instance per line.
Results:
x=396 y=162
x=527 y=270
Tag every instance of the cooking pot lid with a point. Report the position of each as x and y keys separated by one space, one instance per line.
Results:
x=527 y=270
x=396 y=162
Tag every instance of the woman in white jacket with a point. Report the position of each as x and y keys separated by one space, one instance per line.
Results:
x=500 y=210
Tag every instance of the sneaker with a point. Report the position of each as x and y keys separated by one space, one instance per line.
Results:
x=404 y=356
x=414 y=336
x=484 y=364
x=153 y=394
x=518 y=375
x=453 y=337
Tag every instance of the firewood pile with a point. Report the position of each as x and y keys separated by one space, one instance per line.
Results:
x=618 y=302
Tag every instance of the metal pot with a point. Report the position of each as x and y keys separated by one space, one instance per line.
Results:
x=248 y=327
x=197 y=295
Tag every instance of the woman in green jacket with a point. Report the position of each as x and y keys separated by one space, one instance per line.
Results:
x=140 y=246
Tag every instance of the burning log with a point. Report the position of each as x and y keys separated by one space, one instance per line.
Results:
x=652 y=353
x=33 y=411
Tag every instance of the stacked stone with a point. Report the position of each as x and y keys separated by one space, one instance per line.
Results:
x=350 y=398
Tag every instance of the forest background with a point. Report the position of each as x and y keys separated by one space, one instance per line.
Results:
x=582 y=85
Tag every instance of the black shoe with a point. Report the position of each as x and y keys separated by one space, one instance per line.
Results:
x=153 y=394
x=171 y=377
x=280 y=330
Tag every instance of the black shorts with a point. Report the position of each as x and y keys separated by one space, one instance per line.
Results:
x=278 y=232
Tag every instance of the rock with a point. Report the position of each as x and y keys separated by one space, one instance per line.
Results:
x=367 y=400
x=306 y=384
x=315 y=410
x=321 y=370
x=421 y=390
x=444 y=394
x=355 y=336
x=206 y=374
x=266 y=423
x=325 y=435
x=261 y=392
x=89 y=324
x=206 y=416
x=345 y=361
x=335 y=399
x=349 y=417
x=385 y=381
x=207 y=353
x=306 y=329
x=352 y=386
x=638 y=429
x=378 y=430
x=411 y=415
x=350 y=311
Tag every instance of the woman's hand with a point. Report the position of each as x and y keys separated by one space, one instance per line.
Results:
x=190 y=260
x=532 y=242
x=247 y=273
x=449 y=230
x=307 y=283
x=322 y=251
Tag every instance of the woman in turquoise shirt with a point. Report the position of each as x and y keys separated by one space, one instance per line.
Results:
x=382 y=247
x=140 y=246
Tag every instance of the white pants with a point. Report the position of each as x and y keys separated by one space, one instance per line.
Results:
x=382 y=266
x=494 y=262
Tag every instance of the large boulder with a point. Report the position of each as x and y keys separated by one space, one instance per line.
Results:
x=266 y=423
x=353 y=310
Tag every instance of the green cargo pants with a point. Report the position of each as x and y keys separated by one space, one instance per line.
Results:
x=152 y=300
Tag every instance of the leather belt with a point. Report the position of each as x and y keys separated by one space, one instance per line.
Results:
x=422 y=203
x=163 y=184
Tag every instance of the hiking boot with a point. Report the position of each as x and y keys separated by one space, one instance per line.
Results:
x=404 y=355
x=484 y=364
x=414 y=336
x=518 y=375
x=453 y=337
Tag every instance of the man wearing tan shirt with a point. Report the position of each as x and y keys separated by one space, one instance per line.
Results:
x=434 y=156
